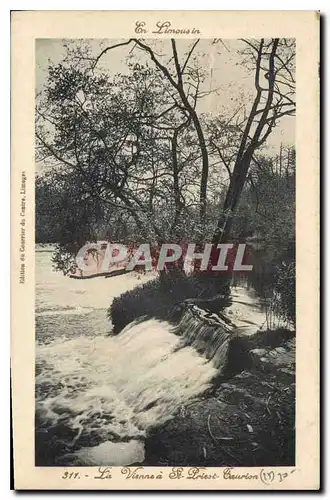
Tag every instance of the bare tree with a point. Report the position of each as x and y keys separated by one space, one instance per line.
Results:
x=274 y=64
x=183 y=99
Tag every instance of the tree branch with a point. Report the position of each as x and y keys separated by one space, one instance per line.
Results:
x=189 y=55
x=110 y=48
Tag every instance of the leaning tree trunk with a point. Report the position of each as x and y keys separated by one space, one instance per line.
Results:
x=225 y=221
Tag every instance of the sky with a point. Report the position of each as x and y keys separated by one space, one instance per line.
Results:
x=232 y=84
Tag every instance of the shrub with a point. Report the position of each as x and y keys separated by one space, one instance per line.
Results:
x=162 y=297
x=274 y=279
x=286 y=291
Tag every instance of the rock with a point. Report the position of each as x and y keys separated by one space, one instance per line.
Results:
x=280 y=358
x=257 y=355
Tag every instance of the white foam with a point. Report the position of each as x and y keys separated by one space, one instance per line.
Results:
x=109 y=453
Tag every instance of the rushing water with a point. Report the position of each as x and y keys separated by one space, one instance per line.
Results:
x=97 y=395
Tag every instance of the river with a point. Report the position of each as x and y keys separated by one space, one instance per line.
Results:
x=98 y=395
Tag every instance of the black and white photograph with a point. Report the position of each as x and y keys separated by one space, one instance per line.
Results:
x=165 y=252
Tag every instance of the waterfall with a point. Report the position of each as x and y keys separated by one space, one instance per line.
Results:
x=209 y=333
x=97 y=389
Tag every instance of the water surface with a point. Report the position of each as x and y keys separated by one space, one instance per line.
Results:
x=98 y=395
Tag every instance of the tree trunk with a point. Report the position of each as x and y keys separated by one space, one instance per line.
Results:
x=225 y=221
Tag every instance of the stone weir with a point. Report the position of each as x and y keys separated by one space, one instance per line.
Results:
x=211 y=333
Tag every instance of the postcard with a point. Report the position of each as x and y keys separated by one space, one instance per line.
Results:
x=165 y=246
